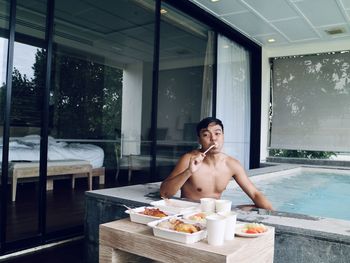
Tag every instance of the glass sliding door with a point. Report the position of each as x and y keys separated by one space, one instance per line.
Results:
x=25 y=119
x=100 y=98
x=4 y=187
x=186 y=60
x=233 y=98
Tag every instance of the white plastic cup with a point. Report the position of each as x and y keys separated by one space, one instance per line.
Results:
x=216 y=226
x=223 y=206
x=208 y=205
x=231 y=219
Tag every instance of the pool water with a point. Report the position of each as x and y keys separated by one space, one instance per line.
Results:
x=314 y=193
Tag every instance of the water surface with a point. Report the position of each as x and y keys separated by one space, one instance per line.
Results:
x=311 y=193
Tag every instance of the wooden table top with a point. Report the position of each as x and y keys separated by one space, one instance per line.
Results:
x=139 y=239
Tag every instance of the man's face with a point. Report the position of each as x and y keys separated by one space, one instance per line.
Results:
x=210 y=135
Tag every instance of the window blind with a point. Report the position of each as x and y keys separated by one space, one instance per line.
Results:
x=311 y=102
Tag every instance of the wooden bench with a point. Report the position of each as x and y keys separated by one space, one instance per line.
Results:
x=96 y=172
x=75 y=168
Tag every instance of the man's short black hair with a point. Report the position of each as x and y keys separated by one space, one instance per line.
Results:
x=203 y=124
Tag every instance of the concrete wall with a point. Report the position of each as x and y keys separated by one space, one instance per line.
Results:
x=98 y=211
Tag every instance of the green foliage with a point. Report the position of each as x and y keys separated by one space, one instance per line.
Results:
x=85 y=96
x=26 y=101
x=301 y=154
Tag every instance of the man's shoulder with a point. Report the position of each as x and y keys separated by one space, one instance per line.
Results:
x=193 y=152
x=228 y=157
x=231 y=160
x=189 y=154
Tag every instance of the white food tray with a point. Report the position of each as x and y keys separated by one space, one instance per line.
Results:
x=181 y=237
x=136 y=217
x=176 y=206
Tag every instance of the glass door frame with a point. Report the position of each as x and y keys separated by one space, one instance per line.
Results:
x=184 y=6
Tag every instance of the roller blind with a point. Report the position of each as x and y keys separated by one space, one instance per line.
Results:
x=311 y=102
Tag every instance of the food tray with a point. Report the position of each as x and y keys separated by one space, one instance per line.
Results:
x=136 y=217
x=173 y=235
x=176 y=206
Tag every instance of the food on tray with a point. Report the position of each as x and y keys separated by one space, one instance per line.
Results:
x=254 y=228
x=198 y=216
x=156 y=212
x=179 y=225
x=186 y=228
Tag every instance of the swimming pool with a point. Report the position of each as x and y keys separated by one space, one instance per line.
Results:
x=303 y=190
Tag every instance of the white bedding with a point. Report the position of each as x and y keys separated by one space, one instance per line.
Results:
x=28 y=148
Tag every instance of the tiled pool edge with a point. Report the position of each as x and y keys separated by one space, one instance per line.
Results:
x=297 y=239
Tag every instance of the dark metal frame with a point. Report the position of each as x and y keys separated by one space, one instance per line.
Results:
x=182 y=5
x=45 y=119
x=6 y=131
x=154 y=115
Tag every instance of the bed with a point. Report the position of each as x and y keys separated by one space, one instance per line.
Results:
x=75 y=159
x=27 y=148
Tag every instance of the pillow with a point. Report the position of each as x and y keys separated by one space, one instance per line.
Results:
x=33 y=139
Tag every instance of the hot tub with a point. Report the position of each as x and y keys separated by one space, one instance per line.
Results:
x=311 y=216
x=310 y=191
x=300 y=237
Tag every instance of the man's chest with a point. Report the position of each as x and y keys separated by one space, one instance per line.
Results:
x=214 y=180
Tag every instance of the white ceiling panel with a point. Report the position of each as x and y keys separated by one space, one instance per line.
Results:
x=249 y=23
x=279 y=39
x=225 y=6
x=299 y=31
x=286 y=21
x=321 y=12
x=345 y=3
x=259 y=6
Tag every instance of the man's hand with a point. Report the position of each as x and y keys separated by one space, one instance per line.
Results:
x=196 y=162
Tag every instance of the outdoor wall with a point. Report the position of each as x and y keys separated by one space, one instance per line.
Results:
x=269 y=52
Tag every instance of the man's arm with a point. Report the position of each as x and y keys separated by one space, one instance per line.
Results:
x=249 y=188
x=186 y=166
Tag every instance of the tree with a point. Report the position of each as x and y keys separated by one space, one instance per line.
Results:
x=85 y=96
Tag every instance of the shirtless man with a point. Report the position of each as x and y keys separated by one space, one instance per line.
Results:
x=200 y=174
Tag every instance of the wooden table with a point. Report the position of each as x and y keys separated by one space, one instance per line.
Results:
x=119 y=239
x=54 y=168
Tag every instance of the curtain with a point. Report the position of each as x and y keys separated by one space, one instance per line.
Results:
x=207 y=87
x=233 y=98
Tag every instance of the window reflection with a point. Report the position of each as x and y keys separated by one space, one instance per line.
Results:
x=185 y=84
x=102 y=78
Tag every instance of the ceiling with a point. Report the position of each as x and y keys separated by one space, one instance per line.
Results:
x=288 y=22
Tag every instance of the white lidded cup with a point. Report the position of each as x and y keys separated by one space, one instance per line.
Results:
x=216 y=226
x=231 y=218
x=223 y=205
x=207 y=205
